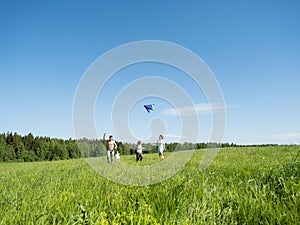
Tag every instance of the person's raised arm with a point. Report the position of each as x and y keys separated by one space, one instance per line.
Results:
x=104 y=138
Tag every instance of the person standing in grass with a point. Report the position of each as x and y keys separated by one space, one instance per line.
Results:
x=110 y=146
x=161 y=147
x=118 y=157
x=139 y=151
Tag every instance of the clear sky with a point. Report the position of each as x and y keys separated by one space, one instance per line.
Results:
x=252 y=47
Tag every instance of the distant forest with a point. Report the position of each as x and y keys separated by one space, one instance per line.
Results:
x=17 y=148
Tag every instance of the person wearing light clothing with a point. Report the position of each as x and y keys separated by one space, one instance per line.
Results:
x=110 y=146
x=139 y=151
x=161 y=147
x=118 y=158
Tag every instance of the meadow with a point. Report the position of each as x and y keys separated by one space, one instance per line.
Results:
x=243 y=185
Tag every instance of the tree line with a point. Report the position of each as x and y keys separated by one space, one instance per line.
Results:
x=27 y=148
x=17 y=148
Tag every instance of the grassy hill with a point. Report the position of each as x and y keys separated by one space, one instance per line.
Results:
x=254 y=185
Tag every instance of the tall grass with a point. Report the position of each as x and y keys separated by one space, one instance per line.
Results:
x=242 y=186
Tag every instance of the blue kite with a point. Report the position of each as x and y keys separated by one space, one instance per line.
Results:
x=149 y=107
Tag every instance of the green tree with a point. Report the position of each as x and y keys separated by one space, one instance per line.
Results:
x=41 y=150
x=20 y=150
x=84 y=147
x=72 y=149
x=7 y=152
x=28 y=141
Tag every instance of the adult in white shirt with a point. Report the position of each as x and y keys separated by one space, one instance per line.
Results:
x=139 y=151
x=110 y=146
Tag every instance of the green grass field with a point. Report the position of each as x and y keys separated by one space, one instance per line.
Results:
x=242 y=186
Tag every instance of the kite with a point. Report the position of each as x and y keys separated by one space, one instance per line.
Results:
x=149 y=107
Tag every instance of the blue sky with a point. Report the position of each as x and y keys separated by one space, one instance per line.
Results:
x=252 y=47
